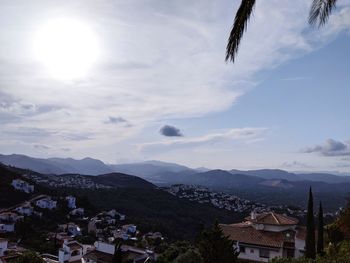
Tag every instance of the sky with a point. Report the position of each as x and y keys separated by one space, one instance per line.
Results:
x=128 y=81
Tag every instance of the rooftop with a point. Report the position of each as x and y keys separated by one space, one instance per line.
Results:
x=272 y=218
x=246 y=233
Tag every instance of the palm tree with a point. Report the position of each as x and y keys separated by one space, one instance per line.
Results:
x=319 y=13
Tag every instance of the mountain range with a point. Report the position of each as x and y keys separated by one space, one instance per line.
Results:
x=161 y=172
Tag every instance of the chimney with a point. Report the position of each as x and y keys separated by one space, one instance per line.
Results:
x=252 y=215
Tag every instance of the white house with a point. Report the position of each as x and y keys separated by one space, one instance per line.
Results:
x=103 y=252
x=22 y=186
x=71 y=228
x=7 y=227
x=262 y=237
x=71 y=202
x=129 y=229
x=77 y=212
x=70 y=252
x=46 y=203
x=25 y=209
x=3 y=246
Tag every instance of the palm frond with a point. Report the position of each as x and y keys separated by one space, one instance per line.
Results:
x=320 y=11
x=239 y=26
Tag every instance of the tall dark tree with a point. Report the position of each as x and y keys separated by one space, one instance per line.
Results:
x=310 y=249
x=320 y=241
x=118 y=256
x=214 y=246
x=319 y=13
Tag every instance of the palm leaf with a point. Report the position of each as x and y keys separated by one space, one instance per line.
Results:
x=320 y=11
x=239 y=26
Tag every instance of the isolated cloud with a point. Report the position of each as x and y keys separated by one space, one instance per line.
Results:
x=170 y=131
x=330 y=148
x=116 y=120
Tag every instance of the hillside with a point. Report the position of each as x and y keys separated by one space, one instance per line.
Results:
x=144 y=204
x=8 y=195
x=120 y=180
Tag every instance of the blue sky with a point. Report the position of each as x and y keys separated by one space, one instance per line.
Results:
x=283 y=104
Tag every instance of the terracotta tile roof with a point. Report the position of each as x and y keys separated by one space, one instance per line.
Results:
x=246 y=233
x=273 y=218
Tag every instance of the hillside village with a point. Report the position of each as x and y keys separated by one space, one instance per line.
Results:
x=102 y=231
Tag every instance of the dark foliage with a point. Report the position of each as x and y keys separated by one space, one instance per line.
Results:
x=214 y=246
x=310 y=248
x=320 y=237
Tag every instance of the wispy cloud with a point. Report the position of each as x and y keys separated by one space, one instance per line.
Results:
x=240 y=134
x=160 y=60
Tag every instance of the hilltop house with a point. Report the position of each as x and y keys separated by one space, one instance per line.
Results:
x=104 y=252
x=46 y=203
x=25 y=209
x=3 y=246
x=72 y=229
x=7 y=221
x=71 y=202
x=262 y=237
x=70 y=252
x=22 y=186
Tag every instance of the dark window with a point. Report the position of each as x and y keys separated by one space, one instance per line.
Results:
x=242 y=249
x=264 y=253
x=75 y=253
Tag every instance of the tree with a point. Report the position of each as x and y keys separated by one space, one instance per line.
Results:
x=320 y=241
x=215 y=247
x=118 y=256
x=29 y=257
x=319 y=13
x=310 y=251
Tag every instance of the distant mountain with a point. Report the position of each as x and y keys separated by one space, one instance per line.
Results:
x=120 y=180
x=218 y=179
x=149 y=169
x=35 y=164
x=269 y=174
x=84 y=166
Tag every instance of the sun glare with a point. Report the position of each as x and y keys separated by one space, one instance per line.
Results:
x=68 y=48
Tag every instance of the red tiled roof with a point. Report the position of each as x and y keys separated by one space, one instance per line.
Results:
x=246 y=233
x=272 y=218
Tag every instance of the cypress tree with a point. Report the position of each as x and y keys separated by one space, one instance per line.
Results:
x=310 y=248
x=320 y=242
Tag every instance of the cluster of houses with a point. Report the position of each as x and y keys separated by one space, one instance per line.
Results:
x=68 y=180
x=226 y=201
x=104 y=226
x=99 y=252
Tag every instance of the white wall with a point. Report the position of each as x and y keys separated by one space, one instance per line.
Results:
x=3 y=247
x=252 y=253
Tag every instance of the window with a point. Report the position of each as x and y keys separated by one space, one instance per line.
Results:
x=242 y=249
x=264 y=253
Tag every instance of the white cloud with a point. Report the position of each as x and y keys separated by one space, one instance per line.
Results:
x=160 y=59
x=238 y=134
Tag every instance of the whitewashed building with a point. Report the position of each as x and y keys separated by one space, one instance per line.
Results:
x=70 y=252
x=23 y=186
x=3 y=246
x=25 y=209
x=262 y=237
x=71 y=202
x=46 y=203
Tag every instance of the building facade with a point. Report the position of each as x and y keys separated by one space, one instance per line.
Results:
x=262 y=237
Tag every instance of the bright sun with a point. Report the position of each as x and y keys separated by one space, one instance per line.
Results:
x=68 y=48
